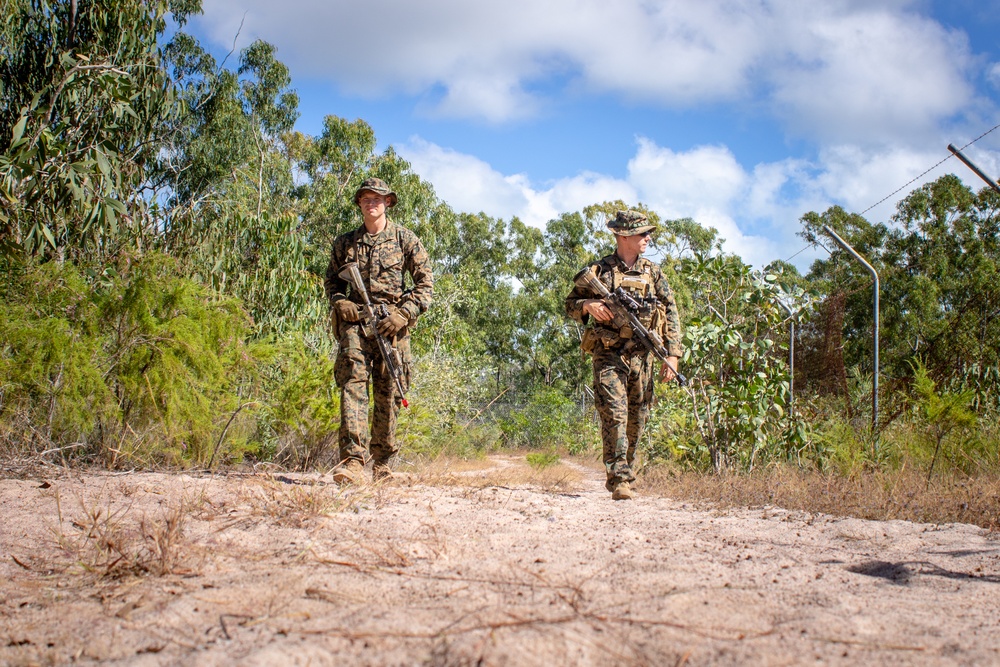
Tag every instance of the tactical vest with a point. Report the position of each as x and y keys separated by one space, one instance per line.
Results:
x=639 y=285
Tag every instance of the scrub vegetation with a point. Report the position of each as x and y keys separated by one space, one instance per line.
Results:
x=163 y=235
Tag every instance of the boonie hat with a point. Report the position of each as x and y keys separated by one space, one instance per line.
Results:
x=630 y=223
x=379 y=187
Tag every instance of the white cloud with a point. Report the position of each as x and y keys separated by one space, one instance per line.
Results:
x=467 y=183
x=706 y=176
x=706 y=184
x=867 y=181
x=993 y=75
x=869 y=84
x=871 y=74
x=833 y=69
x=756 y=210
x=470 y=185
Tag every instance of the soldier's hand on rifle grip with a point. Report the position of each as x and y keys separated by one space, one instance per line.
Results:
x=346 y=310
x=668 y=371
x=597 y=309
x=391 y=325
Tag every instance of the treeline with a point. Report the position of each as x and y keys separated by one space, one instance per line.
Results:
x=165 y=231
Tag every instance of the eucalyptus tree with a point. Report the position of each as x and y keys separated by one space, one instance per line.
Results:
x=83 y=99
x=944 y=287
x=938 y=265
x=225 y=185
x=841 y=337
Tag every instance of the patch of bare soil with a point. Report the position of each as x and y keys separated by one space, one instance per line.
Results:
x=495 y=565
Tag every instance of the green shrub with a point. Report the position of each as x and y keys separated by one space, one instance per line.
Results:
x=134 y=365
x=548 y=419
x=542 y=460
x=443 y=417
x=302 y=415
x=740 y=391
x=671 y=432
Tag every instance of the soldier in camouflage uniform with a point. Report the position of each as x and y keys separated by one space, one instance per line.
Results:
x=385 y=252
x=623 y=367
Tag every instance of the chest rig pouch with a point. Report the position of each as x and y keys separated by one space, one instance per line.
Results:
x=639 y=285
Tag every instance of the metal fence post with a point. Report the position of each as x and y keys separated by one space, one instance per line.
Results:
x=854 y=253
x=791 y=359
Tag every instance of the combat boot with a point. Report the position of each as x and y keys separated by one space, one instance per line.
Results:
x=351 y=471
x=381 y=471
x=622 y=491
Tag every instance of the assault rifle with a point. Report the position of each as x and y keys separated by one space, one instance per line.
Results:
x=371 y=315
x=624 y=308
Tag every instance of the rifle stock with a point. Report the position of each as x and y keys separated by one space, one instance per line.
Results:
x=371 y=315
x=623 y=308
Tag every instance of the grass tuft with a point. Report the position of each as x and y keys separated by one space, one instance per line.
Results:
x=880 y=495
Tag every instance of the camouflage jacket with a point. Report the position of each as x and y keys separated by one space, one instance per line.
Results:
x=383 y=259
x=613 y=273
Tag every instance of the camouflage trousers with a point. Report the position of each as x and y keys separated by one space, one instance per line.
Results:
x=623 y=394
x=359 y=361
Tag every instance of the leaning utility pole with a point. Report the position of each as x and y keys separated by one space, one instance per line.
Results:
x=968 y=163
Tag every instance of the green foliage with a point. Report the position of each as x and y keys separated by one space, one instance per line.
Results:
x=741 y=389
x=939 y=268
x=671 y=431
x=441 y=418
x=263 y=262
x=53 y=391
x=302 y=412
x=840 y=445
x=686 y=238
x=232 y=215
x=82 y=100
x=136 y=364
x=542 y=460
x=548 y=420
x=943 y=418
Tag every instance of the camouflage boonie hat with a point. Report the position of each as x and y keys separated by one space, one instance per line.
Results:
x=630 y=223
x=379 y=187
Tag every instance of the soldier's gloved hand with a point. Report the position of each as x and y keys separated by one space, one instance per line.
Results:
x=597 y=309
x=669 y=369
x=346 y=310
x=390 y=326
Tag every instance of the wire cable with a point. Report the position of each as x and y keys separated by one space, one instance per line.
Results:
x=914 y=180
x=809 y=245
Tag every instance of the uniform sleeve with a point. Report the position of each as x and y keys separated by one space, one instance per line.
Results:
x=574 y=304
x=418 y=263
x=336 y=287
x=672 y=336
x=577 y=296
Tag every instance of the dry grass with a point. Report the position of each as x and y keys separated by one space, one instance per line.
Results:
x=106 y=538
x=500 y=471
x=298 y=503
x=902 y=494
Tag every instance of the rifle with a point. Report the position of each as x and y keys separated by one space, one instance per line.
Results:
x=371 y=315
x=624 y=308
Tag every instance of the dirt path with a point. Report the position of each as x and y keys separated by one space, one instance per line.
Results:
x=473 y=568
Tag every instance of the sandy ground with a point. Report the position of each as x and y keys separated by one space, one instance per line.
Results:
x=472 y=568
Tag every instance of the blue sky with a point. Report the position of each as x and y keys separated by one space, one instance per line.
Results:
x=742 y=114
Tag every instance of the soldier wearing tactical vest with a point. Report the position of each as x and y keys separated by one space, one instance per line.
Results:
x=623 y=367
x=385 y=254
